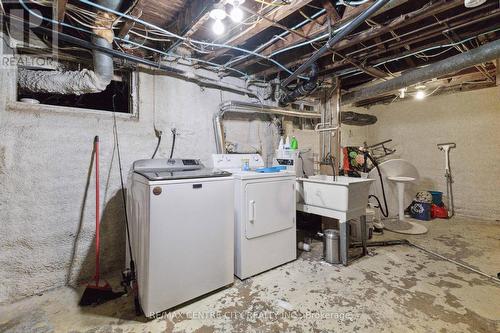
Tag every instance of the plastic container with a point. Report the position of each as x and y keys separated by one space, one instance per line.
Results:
x=294 y=144
x=420 y=210
x=287 y=143
x=437 y=197
x=439 y=212
x=245 y=164
x=281 y=145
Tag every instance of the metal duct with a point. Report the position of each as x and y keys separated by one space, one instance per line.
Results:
x=335 y=39
x=77 y=82
x=249 y=108
x=201 y=80
x=303 y=89
x=481 y=54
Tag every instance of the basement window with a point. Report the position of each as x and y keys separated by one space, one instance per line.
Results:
x=120 y=90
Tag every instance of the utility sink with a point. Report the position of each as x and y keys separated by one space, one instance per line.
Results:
x=344 y=194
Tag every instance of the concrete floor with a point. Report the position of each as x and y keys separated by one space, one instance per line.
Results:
x=397 y=289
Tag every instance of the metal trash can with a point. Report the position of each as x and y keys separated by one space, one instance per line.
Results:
x=331 y=242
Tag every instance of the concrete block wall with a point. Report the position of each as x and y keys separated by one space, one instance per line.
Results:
x=47 y=179
x=470 y=119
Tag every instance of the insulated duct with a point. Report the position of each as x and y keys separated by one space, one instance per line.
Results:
x=481 y=54
x=303 y=89
x=84 y=81
x=249 y=108
x=201 y=80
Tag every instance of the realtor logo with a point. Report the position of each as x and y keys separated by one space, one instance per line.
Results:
x=30 y=35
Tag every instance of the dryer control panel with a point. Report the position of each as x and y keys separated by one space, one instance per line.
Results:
x=236 y=161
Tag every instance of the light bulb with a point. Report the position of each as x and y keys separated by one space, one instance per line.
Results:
x=218 y=27
x=420 y=95
x=218 y=13
x=236 y=14
x=473 y=3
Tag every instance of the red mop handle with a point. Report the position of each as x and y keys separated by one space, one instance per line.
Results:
x=97 y=214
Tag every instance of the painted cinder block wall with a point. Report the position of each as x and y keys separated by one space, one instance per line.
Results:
x=470 y=119
x=47 y=180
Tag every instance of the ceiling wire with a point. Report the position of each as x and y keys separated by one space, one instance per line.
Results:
x=420 y=53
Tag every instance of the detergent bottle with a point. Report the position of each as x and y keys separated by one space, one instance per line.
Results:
x=281 y=145
x=294 y=144
x=287 y=143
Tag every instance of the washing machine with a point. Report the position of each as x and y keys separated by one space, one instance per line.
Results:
x=181 y=218
x=264 y=214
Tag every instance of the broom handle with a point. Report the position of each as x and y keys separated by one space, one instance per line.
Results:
x=97 y=214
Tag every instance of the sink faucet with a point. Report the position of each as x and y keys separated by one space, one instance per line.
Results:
x=329 y=158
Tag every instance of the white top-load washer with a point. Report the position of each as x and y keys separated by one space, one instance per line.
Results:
x=181 y=218
x=264 y=203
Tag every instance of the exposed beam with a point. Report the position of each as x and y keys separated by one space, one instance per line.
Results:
x=397 y=23
x=335 y=39
x=310 y=30
x=187 y=22
x=377 y=73
x=331 y=10
x=135 y=12
x=274 y=23
x=61 y=9
x=484 y=53
x=276 y=15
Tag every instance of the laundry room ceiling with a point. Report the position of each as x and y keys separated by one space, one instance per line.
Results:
x=275 y=37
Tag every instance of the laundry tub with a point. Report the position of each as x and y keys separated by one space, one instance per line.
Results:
x=342 y=194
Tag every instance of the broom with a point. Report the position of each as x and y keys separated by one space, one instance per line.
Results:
x=97 y=291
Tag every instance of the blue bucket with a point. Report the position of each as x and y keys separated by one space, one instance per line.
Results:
x=420 y=210
x=437 y=197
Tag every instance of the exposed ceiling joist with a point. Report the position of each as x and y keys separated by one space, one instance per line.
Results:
x=135 y=12
x=376 y=31
x=310 y=31
x=372 y=71
x=331 y=10
x=276 y=15
x=191 y=18
x=61 y=9
x=274 y=23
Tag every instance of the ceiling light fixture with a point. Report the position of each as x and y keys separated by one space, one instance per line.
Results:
x=420 y=95
x=218 y=27
x=236 y=13
x=218 y=13
x=473 y=3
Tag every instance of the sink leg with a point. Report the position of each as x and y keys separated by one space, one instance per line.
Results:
x=362 y=220
x=344 y=242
